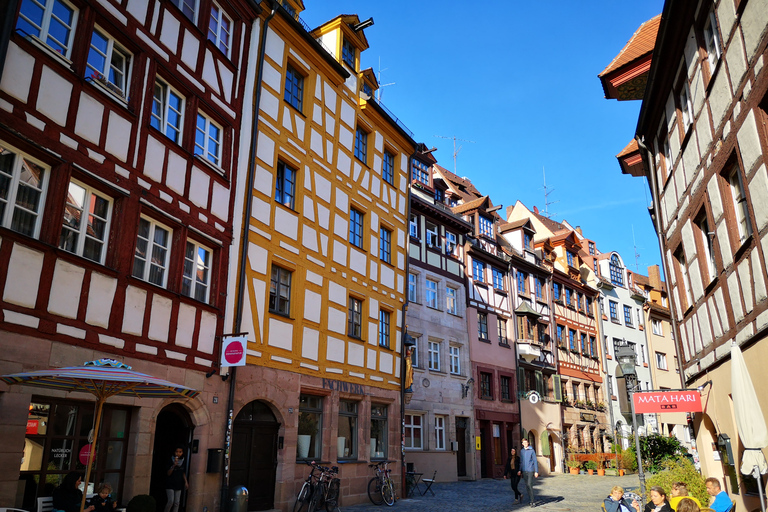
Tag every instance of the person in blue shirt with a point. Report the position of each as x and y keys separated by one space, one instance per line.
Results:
x=529 y=467
x=721 y=503
x=616 y=502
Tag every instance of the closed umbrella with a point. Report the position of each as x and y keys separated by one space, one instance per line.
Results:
x=103 y=378
x=750 y=421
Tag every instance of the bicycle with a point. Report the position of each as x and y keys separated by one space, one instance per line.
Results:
x=380 y=487
x=305 y=493
x=326 y=491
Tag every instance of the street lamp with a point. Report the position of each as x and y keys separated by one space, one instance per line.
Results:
x=627 y=359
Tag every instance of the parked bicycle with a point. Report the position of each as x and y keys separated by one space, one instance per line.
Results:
x=381 y=488
x=325 y=492
x=305 y=493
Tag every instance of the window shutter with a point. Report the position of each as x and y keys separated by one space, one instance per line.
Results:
x=520 y=382
x=545 y=443
x=540 y=383
x=558 y=388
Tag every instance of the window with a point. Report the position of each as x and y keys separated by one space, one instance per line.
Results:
x=656 y=327
x=556 y=289
x=482 y=325
x=502 y=331
x=591 y=246
x=431 y=294
x=167 y=111
x=686 y=107
x=539 y=288
x=415 y=352
x=420 y=171
x=285 y=185
x=294 y=88
x=706 y=246
x=575 y=388
x=361 y=145
x=433 y=239
x=527 y=240
x=439 y=432
x=153 y=243
x=280 y=291
x=108 y=63
x=450 y=243
x=440 y=196
x=683 y=279
x=413 y=434
x=356 y=228
x=455 y=360
x=355 y=320
x=617 y=272
x=559 y=333
x=740 y=204
x=367 y=91
x=589 y=306
x=504 y=387
x=385 y=245
x=188 y=7
x=388 y=167
x=498 y=279
x=378 y=431
x=568 y=297
x=414 y=226
x=51 y=21
x=384 y=328
x=614 y=309
x=579 y=301
x=208 y=139
x=486 y=226
x=522 y=283
x=433 y=354
x=220 y=29
x=412 y=287
x=712 y=41
x=584 y=344
x=310 y=426
x=85 y=228
x=478 y=271
x=196 y=281
x=661 y=361
x=22 y=191
x=526 y=328
x=592 y=346
x=485 y=386
x=348 y=53
x=572 y=340
x=628 y=315
x=569 y=257
x=347 y=435
x=450 y=295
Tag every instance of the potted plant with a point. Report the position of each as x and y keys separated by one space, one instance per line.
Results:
x=589 y=404
x=590 y=466
x=573 y=466
x=601 y=465
x=566 y=400
x=600 y=406
x=307 y=430
x=579 y=404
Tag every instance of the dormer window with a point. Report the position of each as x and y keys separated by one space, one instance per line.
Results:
x=420 y=172
x=527 y=239
x=486 y=226
x=348 y=54
x=592 y=248
x=617 y=272
x=569 y=256
x=439 y=195
x=367 y=90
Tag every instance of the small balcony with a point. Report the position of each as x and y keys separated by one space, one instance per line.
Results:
x=528 y=350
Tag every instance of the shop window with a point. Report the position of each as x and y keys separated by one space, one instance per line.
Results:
x=378 y=431
x=309 y=441
x=346 y=442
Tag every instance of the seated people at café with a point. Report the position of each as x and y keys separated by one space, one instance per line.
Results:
x=688 y=505
x=721 y=503
x=658 y=502
x=615 y=502
x=678 y=492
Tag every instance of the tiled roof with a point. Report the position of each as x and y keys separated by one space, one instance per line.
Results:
x=463 y=186
x=629 y=149
x=550 y=224
x=641 y=43
x=471 y=205
x=506 y=226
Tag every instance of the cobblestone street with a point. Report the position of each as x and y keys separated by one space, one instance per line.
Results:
x=558 y=493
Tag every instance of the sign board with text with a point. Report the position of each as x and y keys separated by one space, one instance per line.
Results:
x=657 y=402
x=233 y=350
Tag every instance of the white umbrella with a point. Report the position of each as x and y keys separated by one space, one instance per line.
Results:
x=750 y=421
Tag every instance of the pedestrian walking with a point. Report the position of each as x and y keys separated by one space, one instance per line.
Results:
x=529 y=468
x=512 y=470
x=176 y=482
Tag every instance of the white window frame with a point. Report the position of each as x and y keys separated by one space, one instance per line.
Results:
x=433 y=355
x=15 y=177
x=450 y=300
x=433 y=235
x=195 y=283
x=414 y=432
x=430 y=293
x=415 y=351
x=685 y=105
x=85 y=214
x=413 y=226
x=161 y=122
x=44 y=28
x=450 y=243
x=216 y=38
x=192 y=4
x=743 y=223
x=706 y=243
x=485 y=226
x=712 y=41
x=454 y=357
x=439 y=432
x=204 y=151
x=103 y=77
x=148 y=263
x=661 y=361
x=413 y=287
x=657 y=327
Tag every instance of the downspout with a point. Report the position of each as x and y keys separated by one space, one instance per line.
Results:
x=240 y=292
x=609 y=399
x=404 y=330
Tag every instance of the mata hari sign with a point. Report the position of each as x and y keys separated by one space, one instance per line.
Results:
x=656 y=402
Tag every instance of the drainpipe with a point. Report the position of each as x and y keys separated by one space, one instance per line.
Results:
x=240 y=292
x=609 y=399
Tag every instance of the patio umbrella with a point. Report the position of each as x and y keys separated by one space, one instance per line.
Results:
x=103 y=378
x=749 y=420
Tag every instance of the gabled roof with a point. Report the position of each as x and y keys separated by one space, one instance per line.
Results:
x=552 y=225
x=473 y=205
x=631 y=160
x=524 y=223
x=627 y=74
x=525 y=309
x=463 y=187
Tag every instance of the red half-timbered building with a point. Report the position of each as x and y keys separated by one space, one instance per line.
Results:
x=120 y=129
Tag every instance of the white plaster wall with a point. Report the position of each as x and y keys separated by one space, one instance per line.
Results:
x=100 y=296
x=23 y=277
x=66 y=286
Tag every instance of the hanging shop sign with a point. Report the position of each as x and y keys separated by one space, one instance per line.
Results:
x=233 y=350
x=657 y=402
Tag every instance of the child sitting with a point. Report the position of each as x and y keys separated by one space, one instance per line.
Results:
x=103 y=499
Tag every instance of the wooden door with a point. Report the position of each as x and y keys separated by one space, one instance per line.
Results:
x=461 y=451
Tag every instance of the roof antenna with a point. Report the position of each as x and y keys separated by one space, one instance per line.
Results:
x=381 y=86
x=637 y=254
x=455 y=151
x=547 y=191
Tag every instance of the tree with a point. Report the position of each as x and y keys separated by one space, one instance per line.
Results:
x=657 y=449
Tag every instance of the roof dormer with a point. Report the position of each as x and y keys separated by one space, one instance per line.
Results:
x=345 y=36
x=368 y=84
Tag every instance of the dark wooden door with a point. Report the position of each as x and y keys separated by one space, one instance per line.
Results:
x=461 y=451
x=254 y=455
x=484 y=450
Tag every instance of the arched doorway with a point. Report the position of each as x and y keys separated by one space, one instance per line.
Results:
x=254 y=454
x=173 y=428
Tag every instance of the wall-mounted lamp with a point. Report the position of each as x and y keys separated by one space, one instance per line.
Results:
x=465 y=387
x=701 y=388
x=363 y=24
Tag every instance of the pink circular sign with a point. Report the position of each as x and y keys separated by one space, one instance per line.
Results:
x=85 y=451
x=234 y=352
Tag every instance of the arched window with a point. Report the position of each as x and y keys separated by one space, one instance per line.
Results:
x=617 y=271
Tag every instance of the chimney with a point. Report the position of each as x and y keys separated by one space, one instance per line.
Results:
x=535 y=209
x=578 y=230
x=654 y=276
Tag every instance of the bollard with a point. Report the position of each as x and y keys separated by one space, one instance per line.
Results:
x=238 y=499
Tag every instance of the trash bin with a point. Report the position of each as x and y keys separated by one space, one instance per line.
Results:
x=238 y=499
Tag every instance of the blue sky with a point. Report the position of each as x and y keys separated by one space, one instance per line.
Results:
x=519 y=79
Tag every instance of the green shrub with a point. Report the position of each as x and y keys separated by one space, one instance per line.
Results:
x=142 y=503
x=590 y=464
x=657 y=449
x=680 y=470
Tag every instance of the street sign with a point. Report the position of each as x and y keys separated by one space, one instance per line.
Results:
x=657 y=402
x=233 y=350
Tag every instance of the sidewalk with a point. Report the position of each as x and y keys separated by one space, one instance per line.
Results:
x=557 y=493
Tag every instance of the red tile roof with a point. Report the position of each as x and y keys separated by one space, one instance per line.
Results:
x=641 y=43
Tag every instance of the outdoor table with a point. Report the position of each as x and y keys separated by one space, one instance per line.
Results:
x=416 y=480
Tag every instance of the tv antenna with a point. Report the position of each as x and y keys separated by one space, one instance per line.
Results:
x=455 y=150
x=637 y=254
x=381 y=86
x=547 y=191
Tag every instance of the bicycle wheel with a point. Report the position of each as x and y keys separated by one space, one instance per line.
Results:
x=374 y=491
x=302 y=498
x=332 y=500
x=388 y=492
x=315 y=500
